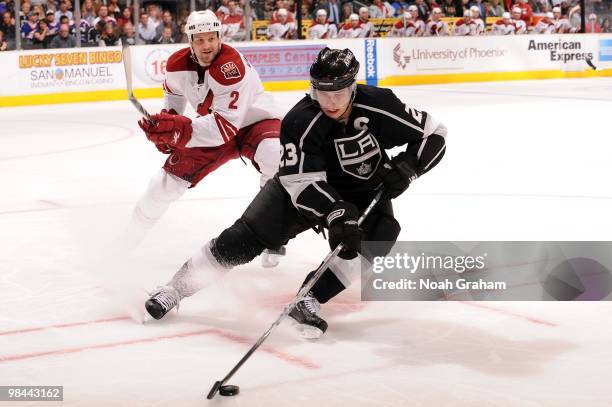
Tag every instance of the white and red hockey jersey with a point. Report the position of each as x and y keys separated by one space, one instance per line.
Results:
x=545 y=26
x=520 y=27
x=233 y=28
x=436 y=29
x=463 y=27
x=348 y=31
x=563 y=26
x=280 y=31
x=324 y=31
x=502 y=27
x=403 y=29
x=227 y=95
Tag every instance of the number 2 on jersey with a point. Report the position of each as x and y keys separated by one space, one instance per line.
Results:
x=291 y=151
x=234 y=95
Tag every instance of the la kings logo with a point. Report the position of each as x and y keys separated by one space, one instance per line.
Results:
x=358 y=155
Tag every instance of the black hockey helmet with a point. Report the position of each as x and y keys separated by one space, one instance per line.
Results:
x=334 y=69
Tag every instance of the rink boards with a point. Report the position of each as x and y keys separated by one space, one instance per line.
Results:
x=94 y=74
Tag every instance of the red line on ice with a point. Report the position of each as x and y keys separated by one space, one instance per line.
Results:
x=510 y=313
x=295 y=360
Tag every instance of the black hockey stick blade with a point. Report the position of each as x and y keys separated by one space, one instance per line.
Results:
x=590 y=63
x=213 y=390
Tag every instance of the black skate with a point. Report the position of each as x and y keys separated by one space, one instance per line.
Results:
x=306 y=317
x=162 y=300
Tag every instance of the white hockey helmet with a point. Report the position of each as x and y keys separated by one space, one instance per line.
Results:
x=475 y=9
x=549 y=15
x=353 y=17
x=413 y=8
x=407 y=16
x=517 y=10
x=436 y=10
x=592 y=16
x=321 y=12
x=506 y=15
x=282 y=12
x=556 y=10
x=363 y=10
x=202 y=22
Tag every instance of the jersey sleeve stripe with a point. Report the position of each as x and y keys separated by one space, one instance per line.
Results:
x=312 y=122
x=221 y=127
x=399 y=119
x=433 y=160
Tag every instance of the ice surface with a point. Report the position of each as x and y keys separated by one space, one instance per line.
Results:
x=525 y=161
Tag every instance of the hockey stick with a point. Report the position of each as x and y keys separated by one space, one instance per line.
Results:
x=300 y=295
x=591 y=64
x=127 y=65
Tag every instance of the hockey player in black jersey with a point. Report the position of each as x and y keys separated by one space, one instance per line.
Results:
x=333 y=163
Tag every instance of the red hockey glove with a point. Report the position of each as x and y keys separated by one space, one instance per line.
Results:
x=169 y=131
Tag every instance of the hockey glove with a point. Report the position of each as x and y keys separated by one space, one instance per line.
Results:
x=169 y=131
x=343 y=228
x=394 y=177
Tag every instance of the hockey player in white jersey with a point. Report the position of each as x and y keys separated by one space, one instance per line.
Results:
x=546 y=25
x=367 y=28
x=465 y=26
x=235 y=119
x=321 y=28
x=283 y=29
x=418 y=23
x=435 y=26
x=520 y=27
x=503 y=26
x=352 y=29
x=562 y=23
x=479 y=25
x=404 y=27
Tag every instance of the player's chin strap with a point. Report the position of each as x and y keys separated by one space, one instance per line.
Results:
x=299 y=297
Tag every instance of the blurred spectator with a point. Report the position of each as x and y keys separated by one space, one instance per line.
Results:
x=378 y=9
x=592 y=26
x=3 y=44
x=461 y=8
x=88 y=11
x=482 y=11
x=154 y=13
x=39 y=40
x=183 y=36
x=146 y=29
x=575 y=18
x=26 y=8
x=347 y=10
x=605 y=26
x=53 y=25
x=166 y=36
x=352 y=29
x=85 y=28
x=96 y=32
x=104 y=16
x=51 y=5
x=114 y=10
x=448 y=8
x=126 y=17
x=166 y=22
x=7 y=26
x=306 y=12
x=503 y=26
x=233 y=24
x=63 y=11
x=423 y=10
x=519 y=24
x=109 y=36
x=546 y=25
x=283 y=29
x=416 y=20
x=367 y=28
x=322 y=27
x=495 y=9
x=436 y=27
x=63 y=39
x=129 y=34
x=28 y=29
x=64 y=20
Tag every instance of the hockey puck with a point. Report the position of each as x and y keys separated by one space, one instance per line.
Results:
x=229 y=390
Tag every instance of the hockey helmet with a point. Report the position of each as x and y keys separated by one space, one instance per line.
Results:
x=202 y=22
x=333 y=69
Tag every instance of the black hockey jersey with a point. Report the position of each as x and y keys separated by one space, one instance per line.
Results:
x=324 y=160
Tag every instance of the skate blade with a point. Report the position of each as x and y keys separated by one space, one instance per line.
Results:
x=307 y=331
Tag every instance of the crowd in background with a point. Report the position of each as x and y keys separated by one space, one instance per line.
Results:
x=53 y=24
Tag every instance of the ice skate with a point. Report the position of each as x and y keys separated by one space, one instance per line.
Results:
x=306 y=318
x=271 y=258
x=162 y=300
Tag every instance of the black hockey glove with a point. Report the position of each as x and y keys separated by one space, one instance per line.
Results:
x=343 y=228
x=394 y=177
